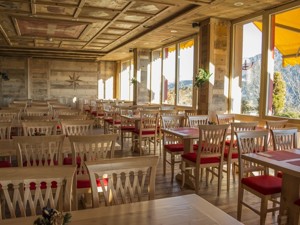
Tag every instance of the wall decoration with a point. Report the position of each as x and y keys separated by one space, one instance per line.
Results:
x=74 y=80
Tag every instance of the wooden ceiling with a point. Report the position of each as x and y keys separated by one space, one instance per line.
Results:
x=106 y=29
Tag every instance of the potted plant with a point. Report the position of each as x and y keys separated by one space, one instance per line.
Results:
x=133 y=81
x=202 y=77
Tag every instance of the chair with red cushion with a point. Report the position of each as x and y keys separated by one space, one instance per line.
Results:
x=274 y=124
x=89 y=148
x=231 y=152
x=172 y=145
x=147 y=132
x=254 y=178
x=209 y=155
x=122 y=180
x=5 y=133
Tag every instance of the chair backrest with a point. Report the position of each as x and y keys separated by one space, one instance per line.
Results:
x=171 y=122
x=251 y=142
x=5 y=130
x=190 y=112
x=195 y=121
x=9 y=115
x=72 y=117
x=37 y=118
x=91 y=148
x=274 y=124
x=77 y=127
x=225 y=118
x=243 y=126
x=168 y=112
x=27 y=196
x=69 y=112
x=148 y=121
x=37 y=111
x=211 y=141
x=39 y=151
x=123 y=180
x=39 y=128
x=284 y=138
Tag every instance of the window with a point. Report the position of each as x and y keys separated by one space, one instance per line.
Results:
x=185 y=73
x=169 y=74
x=247 y=67
x=126 y=87
x=156 y=76
x=284 y=79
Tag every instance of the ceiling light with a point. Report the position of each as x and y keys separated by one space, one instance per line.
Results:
x=173 y=31
x=238 y=4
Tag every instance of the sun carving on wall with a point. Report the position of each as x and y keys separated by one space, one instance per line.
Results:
x=74 y=80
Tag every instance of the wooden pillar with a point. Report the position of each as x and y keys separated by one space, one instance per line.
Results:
x=214 y=46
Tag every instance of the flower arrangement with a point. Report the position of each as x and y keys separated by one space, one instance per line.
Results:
x=53 y=217
x=202 y=77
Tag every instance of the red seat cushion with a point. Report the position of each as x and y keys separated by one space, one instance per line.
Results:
x=5 y=163
x=174 y=147
x=297 y=202
x=87 y=183
x=68 y=161
x=43 y=185
x=127 y=128
x=234 y=155
x=192 y=156
x=148 y=132
x=264 y=184
x=55 y=162
x=279 y=174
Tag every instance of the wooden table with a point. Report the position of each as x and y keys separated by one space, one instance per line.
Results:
x=20 y=173
x=187 y=209
x=187 y=134
x=289 y=164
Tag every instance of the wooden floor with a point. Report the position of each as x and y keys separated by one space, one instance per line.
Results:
x=227 y=201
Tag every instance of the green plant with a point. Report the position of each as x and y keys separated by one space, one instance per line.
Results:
x=201 y=77
x=133 y=81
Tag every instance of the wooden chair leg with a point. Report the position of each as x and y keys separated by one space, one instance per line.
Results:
x=263 y=210
x=240 y=200
x=197 y=180
x=172 y=167
x=182 y=173
x=228 y=175
x=164 y=162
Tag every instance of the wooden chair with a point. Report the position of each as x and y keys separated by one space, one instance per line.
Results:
x=39 y=151
x=195 y=121
x=147 y=131
x=37 y=111
x=77 y=127
x=209 y=155
x=9 y=115
x=123 y=180
x=274 y=124
x=37 y=118
x=28 y=195
x=284 y=138
x=7 y=151
x=38 y=128
x=127 y=126
x=5 y=130
x=225 y=118
x=251 y=179
x=172 y=145
x=70 y=112
x=231 y=152
x=89 y=148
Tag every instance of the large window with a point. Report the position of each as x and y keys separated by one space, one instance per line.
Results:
x=126 y=87
x=169 y=75
x=284 y=79
x=185 y=73
x=156 y=76
x=247 y=67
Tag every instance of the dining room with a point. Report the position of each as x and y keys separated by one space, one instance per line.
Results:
x=87 y=87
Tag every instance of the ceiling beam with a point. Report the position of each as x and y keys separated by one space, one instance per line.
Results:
x=2 y=31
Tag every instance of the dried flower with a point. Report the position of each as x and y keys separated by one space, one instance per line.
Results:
x=52 y=217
